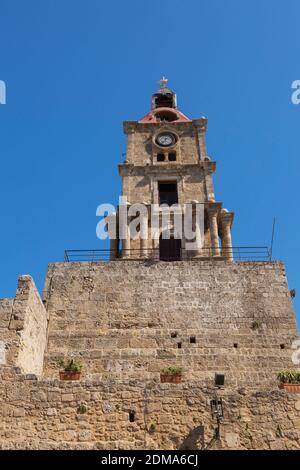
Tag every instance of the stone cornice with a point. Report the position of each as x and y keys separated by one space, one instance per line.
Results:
x=132 y=126
x=129 y=126
x=213 y=207
x=200 y=123
x=129 y=168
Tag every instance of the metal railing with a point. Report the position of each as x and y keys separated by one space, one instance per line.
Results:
x=239 y=253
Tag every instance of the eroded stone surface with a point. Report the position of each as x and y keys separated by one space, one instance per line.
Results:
x=122 y=330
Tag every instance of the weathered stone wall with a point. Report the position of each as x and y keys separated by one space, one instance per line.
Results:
x=5 y=312
x=94 y=414
x=140 y=146
x=6 y=335
x=141 y=171
x=23 y=329
x=31 y=320
x=123 y=320
x=139 y=184
x=130 y=319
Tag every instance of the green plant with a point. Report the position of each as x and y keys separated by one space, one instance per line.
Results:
x=82 y=409
x=279 y=431
x=172 y=370
x=70 y=366
x=255 y=325
x=289 y=377
x=152 y=427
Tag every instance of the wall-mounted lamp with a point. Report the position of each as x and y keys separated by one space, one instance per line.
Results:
x=216 y=407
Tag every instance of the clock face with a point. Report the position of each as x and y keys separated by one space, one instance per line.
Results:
x=166 y=140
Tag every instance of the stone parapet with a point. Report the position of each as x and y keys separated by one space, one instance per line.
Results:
x=91 y=414
x=130 y=319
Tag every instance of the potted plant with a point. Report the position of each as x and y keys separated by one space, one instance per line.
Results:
x=171 y=375
x=71 y=370
x=289 y=380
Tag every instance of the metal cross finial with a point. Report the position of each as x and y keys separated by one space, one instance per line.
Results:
x=163 y=81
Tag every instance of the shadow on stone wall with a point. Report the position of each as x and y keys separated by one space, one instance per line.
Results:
x=194 y=440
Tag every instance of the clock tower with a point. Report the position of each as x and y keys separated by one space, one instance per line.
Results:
x=167 y=166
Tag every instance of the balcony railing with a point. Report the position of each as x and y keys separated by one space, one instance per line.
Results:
x=240 y=253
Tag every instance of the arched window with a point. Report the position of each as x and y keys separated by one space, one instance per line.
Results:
x=168 y=116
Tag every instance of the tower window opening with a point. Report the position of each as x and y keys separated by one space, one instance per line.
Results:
x=172 y=157
x=179 y=345
x=282 y=346
x=193 y=339
x=169 y=250
x=164 y=100
x=166 y=116
x=174 y=334
x=131 y=416
x=168 y=193
x=235 y=345
x=160 y=157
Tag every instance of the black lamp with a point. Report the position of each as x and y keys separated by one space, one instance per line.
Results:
x=216 y=407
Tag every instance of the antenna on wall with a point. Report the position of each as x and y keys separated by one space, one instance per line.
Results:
x=272 y=238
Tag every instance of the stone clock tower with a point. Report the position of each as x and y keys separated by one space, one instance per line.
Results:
x=167 y=164
x=138 y=354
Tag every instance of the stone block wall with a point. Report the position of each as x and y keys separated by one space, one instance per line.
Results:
x=130 y=319
x=6 y=336
x=140 y=184
x=140 y=146
x=141 y=170
x=124 y=321
x=93 y=414
x=23 y=329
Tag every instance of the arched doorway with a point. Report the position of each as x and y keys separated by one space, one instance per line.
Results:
x=169 y=249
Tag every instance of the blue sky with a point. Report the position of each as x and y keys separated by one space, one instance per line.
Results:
x=75 y=69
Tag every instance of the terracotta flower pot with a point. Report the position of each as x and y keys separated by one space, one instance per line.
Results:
x=171 y=378
x=69 y=375
x=295 y=388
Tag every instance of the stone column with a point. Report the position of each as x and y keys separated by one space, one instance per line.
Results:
x=199 y=241
x=111 y=225
x=124 y=232
x=144 y=237
x=226 y=219
x=214 y=235
x=113 y=247
x=198 y=220
x=126 y=247
x=144 y=248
